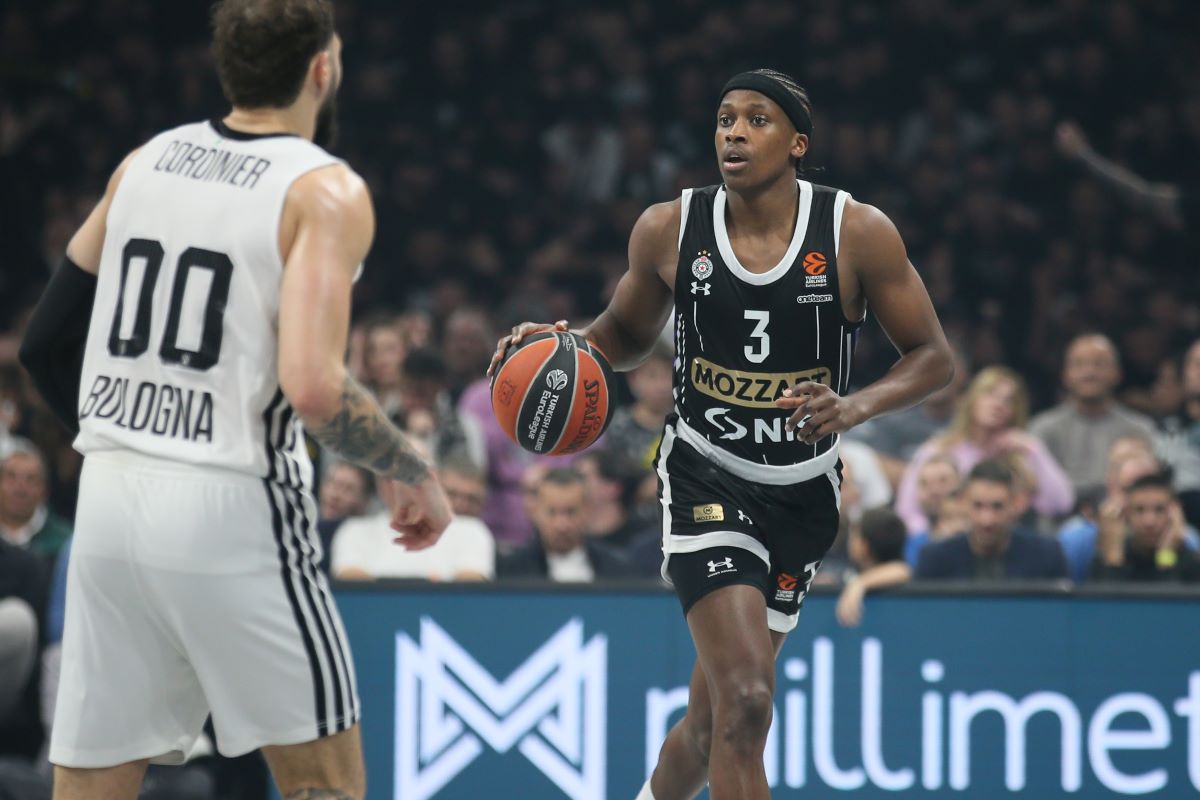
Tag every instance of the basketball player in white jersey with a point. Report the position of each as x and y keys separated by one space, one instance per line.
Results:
x=223 y=255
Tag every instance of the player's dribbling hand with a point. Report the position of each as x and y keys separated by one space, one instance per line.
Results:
x=420 y=513
x=818 y=411
x=519 y=332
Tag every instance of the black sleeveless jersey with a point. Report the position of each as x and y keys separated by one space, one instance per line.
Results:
x=741 y=338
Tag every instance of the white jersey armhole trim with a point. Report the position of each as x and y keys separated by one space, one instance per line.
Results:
x=685 y=205
x=839 y=207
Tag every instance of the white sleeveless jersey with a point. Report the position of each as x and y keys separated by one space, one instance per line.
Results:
x=181 y=360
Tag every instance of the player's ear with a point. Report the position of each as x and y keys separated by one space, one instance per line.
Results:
x=321 y=71
x=799 y=145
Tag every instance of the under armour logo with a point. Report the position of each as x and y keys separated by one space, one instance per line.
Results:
x=726 y=564
x=698 y=288
x=742 y=516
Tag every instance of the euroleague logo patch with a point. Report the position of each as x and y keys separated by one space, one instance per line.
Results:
x=787 y=588
x=702 y=267
x=814 y=263
x=557 y=380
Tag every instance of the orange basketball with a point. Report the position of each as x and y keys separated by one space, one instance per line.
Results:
x=551 y=394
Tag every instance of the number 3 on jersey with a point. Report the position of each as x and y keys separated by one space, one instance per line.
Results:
x=759 y=354
x=129 y=339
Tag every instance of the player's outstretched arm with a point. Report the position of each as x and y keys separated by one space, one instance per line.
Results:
x=873 y=250
x=326 y=231
x=52 y=348
x=626 y=330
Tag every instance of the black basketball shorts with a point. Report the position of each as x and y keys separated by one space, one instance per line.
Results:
x=720 y=530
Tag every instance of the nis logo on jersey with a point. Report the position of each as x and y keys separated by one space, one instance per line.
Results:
x=748 y=389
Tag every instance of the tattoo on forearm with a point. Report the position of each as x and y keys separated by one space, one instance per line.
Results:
x=317 y=794
x=361 y=433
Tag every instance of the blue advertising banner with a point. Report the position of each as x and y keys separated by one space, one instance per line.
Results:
x=537 y=695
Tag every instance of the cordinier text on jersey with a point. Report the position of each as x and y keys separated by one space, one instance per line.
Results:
x=212 y=164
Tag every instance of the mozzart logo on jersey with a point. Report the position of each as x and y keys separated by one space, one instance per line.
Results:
x=551 y=709
x=749 y=389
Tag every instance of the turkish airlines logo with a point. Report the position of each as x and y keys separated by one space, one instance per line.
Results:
x=814 y=263
x=551 y=709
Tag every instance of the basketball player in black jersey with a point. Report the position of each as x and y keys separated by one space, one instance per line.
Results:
x=770 y=277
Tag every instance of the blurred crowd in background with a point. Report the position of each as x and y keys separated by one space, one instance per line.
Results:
x=509 y=153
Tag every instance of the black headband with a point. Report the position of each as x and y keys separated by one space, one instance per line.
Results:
x=791 y=105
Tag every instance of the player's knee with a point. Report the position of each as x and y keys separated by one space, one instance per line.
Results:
x=744 y=710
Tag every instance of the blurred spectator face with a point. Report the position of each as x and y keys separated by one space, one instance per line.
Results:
x=385 y=356
x=993 y=408
x=467 y=492
x=936 y=480
x=344 y=492
x=22 y=487
x=560 y=515
x=1131 y=470
x=530 y=480
x=650 y=384
x=952 y=517
x=1121 y=451
x=989 y=508
x=601 y=490
x=1148 y=515
x=1090 y=372
x=1191 y=372
x=467 y=343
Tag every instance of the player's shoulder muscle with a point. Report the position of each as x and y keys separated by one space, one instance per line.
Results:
x=333 y=203
x=653 y=244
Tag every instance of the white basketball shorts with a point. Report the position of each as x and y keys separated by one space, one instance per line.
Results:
x=190 y=592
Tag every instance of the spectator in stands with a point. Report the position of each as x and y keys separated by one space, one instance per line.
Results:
x=636 y=428
x=877 y=552
x=989 y=423
x=1130 y=460
x=1149 y=546
x=467 y=345
x=1180 y=438
x=562 y=552
x=505 y=513
x=383 y=360
x=346 y=491
x=938 y=485
x=427 y=414
x=25 y=521
x=24 y=585
x=612 y=484
x=897 y=436
x=1079 y=431
x=364 y=547
x=992 y=548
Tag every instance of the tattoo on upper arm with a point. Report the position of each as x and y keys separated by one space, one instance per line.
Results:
x=359 y=432
x=317 y=794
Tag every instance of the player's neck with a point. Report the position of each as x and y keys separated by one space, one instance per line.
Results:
x=764 y=211
x=272 y=120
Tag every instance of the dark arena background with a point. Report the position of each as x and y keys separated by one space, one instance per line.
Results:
x=1041 y=160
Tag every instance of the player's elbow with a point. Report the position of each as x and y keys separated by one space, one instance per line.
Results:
x=943 y=364
x=314 y=394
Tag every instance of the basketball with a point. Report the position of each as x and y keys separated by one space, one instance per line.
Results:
x=551 y=393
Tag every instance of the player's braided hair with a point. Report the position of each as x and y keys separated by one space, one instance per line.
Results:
x=797 y=91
